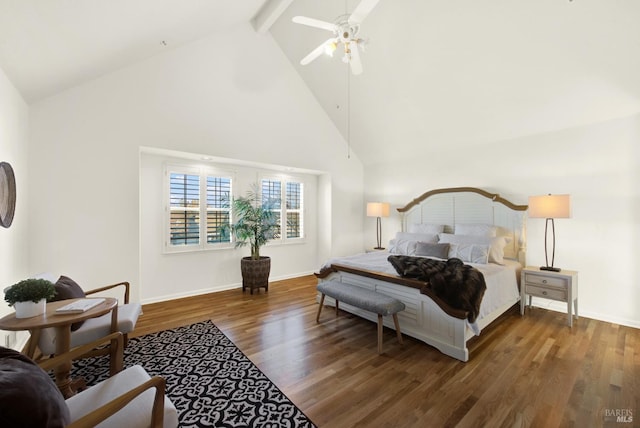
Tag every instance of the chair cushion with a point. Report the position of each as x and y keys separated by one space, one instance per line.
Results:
x=135 y=414
x=93 y=328
x=28 y=396
x=67 y=288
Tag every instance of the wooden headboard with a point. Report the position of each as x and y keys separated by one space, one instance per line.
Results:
x=470 y=205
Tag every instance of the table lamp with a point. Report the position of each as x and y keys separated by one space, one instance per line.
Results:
x=550 y=207
x=378 y=209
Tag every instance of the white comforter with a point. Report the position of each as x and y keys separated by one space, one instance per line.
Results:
x=501 y=280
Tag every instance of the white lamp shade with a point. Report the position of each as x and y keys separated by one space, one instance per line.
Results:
x=377 y=209
x=550 y=206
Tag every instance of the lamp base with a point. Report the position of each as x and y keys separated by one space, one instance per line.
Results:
x=378 y=248
x=550 y=268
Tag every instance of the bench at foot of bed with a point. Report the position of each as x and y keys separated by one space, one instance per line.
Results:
x=364 y=299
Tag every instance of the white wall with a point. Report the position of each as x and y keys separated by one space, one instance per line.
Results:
x=214 y=269
x=598 y=165
x=233 y=95
x=14 y=134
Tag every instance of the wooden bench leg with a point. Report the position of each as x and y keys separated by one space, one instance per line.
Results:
x=380 y=327
x=320 y=308
x=398 y=333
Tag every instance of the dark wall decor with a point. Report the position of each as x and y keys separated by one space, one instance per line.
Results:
x=7 y=194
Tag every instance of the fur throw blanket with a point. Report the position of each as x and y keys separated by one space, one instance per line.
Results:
x=460 y=286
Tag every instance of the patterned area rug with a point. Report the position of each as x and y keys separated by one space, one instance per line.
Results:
x=210 y=381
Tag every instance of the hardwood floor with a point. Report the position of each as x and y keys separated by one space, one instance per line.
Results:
x=523 y=371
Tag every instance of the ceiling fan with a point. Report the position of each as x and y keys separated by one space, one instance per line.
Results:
x=345 y=30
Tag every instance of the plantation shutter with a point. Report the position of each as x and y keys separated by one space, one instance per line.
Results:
x=218 y=209
x=184 y=207
x=294 y=209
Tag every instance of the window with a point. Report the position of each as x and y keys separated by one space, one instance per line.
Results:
x=293 y=195
x=271 y=197
x=196 y=194
x=291 y=192
x=184 y=209
x=218 y=209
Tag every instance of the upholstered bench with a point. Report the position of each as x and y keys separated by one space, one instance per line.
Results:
x=362 y=298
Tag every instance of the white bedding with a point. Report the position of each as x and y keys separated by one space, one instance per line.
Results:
x=501 y=280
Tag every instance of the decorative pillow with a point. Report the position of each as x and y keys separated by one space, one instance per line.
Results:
x=28 y=396
x=470 y=253
x=422 y=237
x=427 y=249
x=426 y=228
x=476 y=229
x=67 y=288
x=496 y=251
x=496 y=245
x=403 y=247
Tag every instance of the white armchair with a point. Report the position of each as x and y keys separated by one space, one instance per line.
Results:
x=129 y=398
x=91 y=329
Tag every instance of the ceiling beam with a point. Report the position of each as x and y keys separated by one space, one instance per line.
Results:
x=268 y=14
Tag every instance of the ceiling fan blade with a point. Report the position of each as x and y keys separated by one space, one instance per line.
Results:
x=362 y=10
x=354 y=61
x=315 y=23
x=317 y=51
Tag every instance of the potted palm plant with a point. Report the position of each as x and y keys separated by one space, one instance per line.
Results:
x=29 y=296
x=255 y=223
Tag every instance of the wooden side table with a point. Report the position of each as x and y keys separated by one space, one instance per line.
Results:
x=561 y=286
x=62 y=324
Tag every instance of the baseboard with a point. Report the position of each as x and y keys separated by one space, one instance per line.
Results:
x=562 y=307
x=217 y=288
x=175 y=296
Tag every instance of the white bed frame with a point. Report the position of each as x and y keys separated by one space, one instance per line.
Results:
x=423 y=318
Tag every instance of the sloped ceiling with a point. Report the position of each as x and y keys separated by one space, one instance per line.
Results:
x=50 y=45
x=438 y=74
x=444 y=74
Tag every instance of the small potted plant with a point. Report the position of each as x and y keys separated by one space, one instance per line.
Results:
x=29 y=296
x=255 y=223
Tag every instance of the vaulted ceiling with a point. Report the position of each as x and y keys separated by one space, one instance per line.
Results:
x=438 y=74
x=50 y=45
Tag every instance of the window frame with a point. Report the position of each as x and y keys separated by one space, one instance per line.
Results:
x=284 y=179
x=203 y=173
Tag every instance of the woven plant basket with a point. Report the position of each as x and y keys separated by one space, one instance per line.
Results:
x=255 y=273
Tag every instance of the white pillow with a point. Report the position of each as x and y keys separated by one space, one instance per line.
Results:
x=426 y=228
x=476 y=229
x=496 y=245
x=422 y=237
x=403 y=247
x=471 y=253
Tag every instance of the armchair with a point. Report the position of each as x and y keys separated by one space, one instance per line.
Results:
x=131 y=398
x=91 y=329
x=125 y=399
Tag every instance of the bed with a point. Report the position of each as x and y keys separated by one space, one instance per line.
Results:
x=483 y=229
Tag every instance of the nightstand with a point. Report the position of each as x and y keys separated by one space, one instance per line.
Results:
x=561 y=286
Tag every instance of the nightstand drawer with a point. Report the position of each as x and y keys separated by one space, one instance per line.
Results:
x=553 y=281
x=549 y=293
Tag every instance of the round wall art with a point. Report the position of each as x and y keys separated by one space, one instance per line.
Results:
x=7 y=194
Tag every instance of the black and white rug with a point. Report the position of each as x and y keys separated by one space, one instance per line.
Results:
x=209 y=380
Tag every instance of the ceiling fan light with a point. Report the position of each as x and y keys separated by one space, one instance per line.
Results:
x=330 y=49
